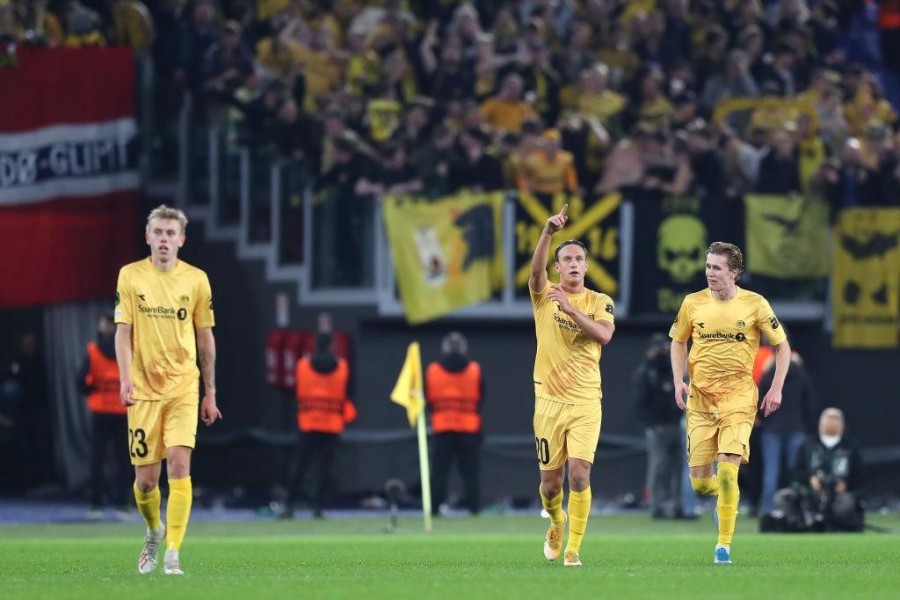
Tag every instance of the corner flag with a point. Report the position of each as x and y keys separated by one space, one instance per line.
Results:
x=410 y=392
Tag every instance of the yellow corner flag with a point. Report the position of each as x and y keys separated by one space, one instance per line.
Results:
x=410 y=392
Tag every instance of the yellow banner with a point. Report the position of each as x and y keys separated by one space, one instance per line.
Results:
x=447 y=253
x=866 y=281
x=787 y=237
x=267 y=8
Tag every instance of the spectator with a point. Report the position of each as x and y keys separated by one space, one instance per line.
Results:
x=784 y=431
x=393 y=176
x=594 y=100
x=83 y=27
x=550 y=170
x=447 y=78
x=133 y=25
x=477 y=170
x=507 y=111
x=735 y=81
x=438 y=161
x=652 y=107
x=542 y=82
x=197 y=39
x=780 y=70
x=849 y=182
x=226 y=63
x=779 y=166
x=661 y=418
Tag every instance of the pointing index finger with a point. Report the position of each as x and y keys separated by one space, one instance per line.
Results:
x=565 y=207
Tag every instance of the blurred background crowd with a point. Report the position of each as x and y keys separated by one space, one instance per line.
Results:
x=539 y=95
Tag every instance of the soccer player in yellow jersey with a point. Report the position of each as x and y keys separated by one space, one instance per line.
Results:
x=724 y=324
x=571 y=323
x=164 y=313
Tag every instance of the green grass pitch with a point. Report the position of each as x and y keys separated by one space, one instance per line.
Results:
x=625 y=556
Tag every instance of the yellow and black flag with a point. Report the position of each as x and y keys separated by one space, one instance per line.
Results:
x=787 y=237
x=448 y=253
x=866 y=281
x=592 y=221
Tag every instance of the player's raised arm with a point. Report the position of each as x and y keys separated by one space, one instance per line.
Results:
x=538 y=278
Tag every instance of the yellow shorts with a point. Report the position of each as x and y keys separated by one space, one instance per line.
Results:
x=711 y=434
x=563 y=431
x=156 y=425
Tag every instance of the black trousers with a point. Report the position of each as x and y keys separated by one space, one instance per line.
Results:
x=464 y=449
x=313 y=447
x=111 y=473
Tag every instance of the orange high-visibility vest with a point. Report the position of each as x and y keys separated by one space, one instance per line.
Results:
x=322 y=403
x=764 y=357
x=103 y=380
x=454 y=398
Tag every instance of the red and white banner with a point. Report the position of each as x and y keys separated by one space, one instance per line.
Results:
x=68 y=174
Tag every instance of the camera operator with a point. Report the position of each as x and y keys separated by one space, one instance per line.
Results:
x=826 y=487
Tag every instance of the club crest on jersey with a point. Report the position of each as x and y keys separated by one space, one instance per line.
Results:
x=184 y=300
x=740 y=324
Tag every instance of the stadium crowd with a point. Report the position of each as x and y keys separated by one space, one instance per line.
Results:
x=539 y=95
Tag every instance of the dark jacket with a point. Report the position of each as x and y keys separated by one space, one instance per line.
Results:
x=654 y=394
x=840 y=462
x=799 y=407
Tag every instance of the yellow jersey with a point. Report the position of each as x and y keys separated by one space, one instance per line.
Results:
x=725 y=338
x=163 y=308
x=567 y=363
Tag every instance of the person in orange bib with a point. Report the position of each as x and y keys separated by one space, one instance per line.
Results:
x=323 y=410
x=454 y=391
x=99 y=380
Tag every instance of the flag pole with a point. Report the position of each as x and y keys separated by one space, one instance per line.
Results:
x=424 y=470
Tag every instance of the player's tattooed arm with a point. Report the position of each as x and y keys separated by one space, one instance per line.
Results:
x=206 y=352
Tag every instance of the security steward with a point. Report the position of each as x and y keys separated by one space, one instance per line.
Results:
x=454 y=391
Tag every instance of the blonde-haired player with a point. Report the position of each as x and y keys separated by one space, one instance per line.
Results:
x=724 y=324
x=571 y=324
x=164 y=312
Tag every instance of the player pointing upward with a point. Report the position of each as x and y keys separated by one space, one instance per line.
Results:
x=571 y=324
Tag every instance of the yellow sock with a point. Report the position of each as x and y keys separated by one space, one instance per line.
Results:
x=728 y=501
x=553 y=506
x=148 y=505
x=579 y=509
x=178 y=511
x=707 y=486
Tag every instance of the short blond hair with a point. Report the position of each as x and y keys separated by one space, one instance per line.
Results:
x=167 y=212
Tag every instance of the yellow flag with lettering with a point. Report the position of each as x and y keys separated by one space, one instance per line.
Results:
x=409 y=391
x=447 y=253
x=866 y=281
x=787 y=237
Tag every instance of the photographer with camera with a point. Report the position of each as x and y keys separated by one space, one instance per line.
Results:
x=825 y=494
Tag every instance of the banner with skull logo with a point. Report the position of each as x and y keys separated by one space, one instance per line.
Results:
x=669 y=252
